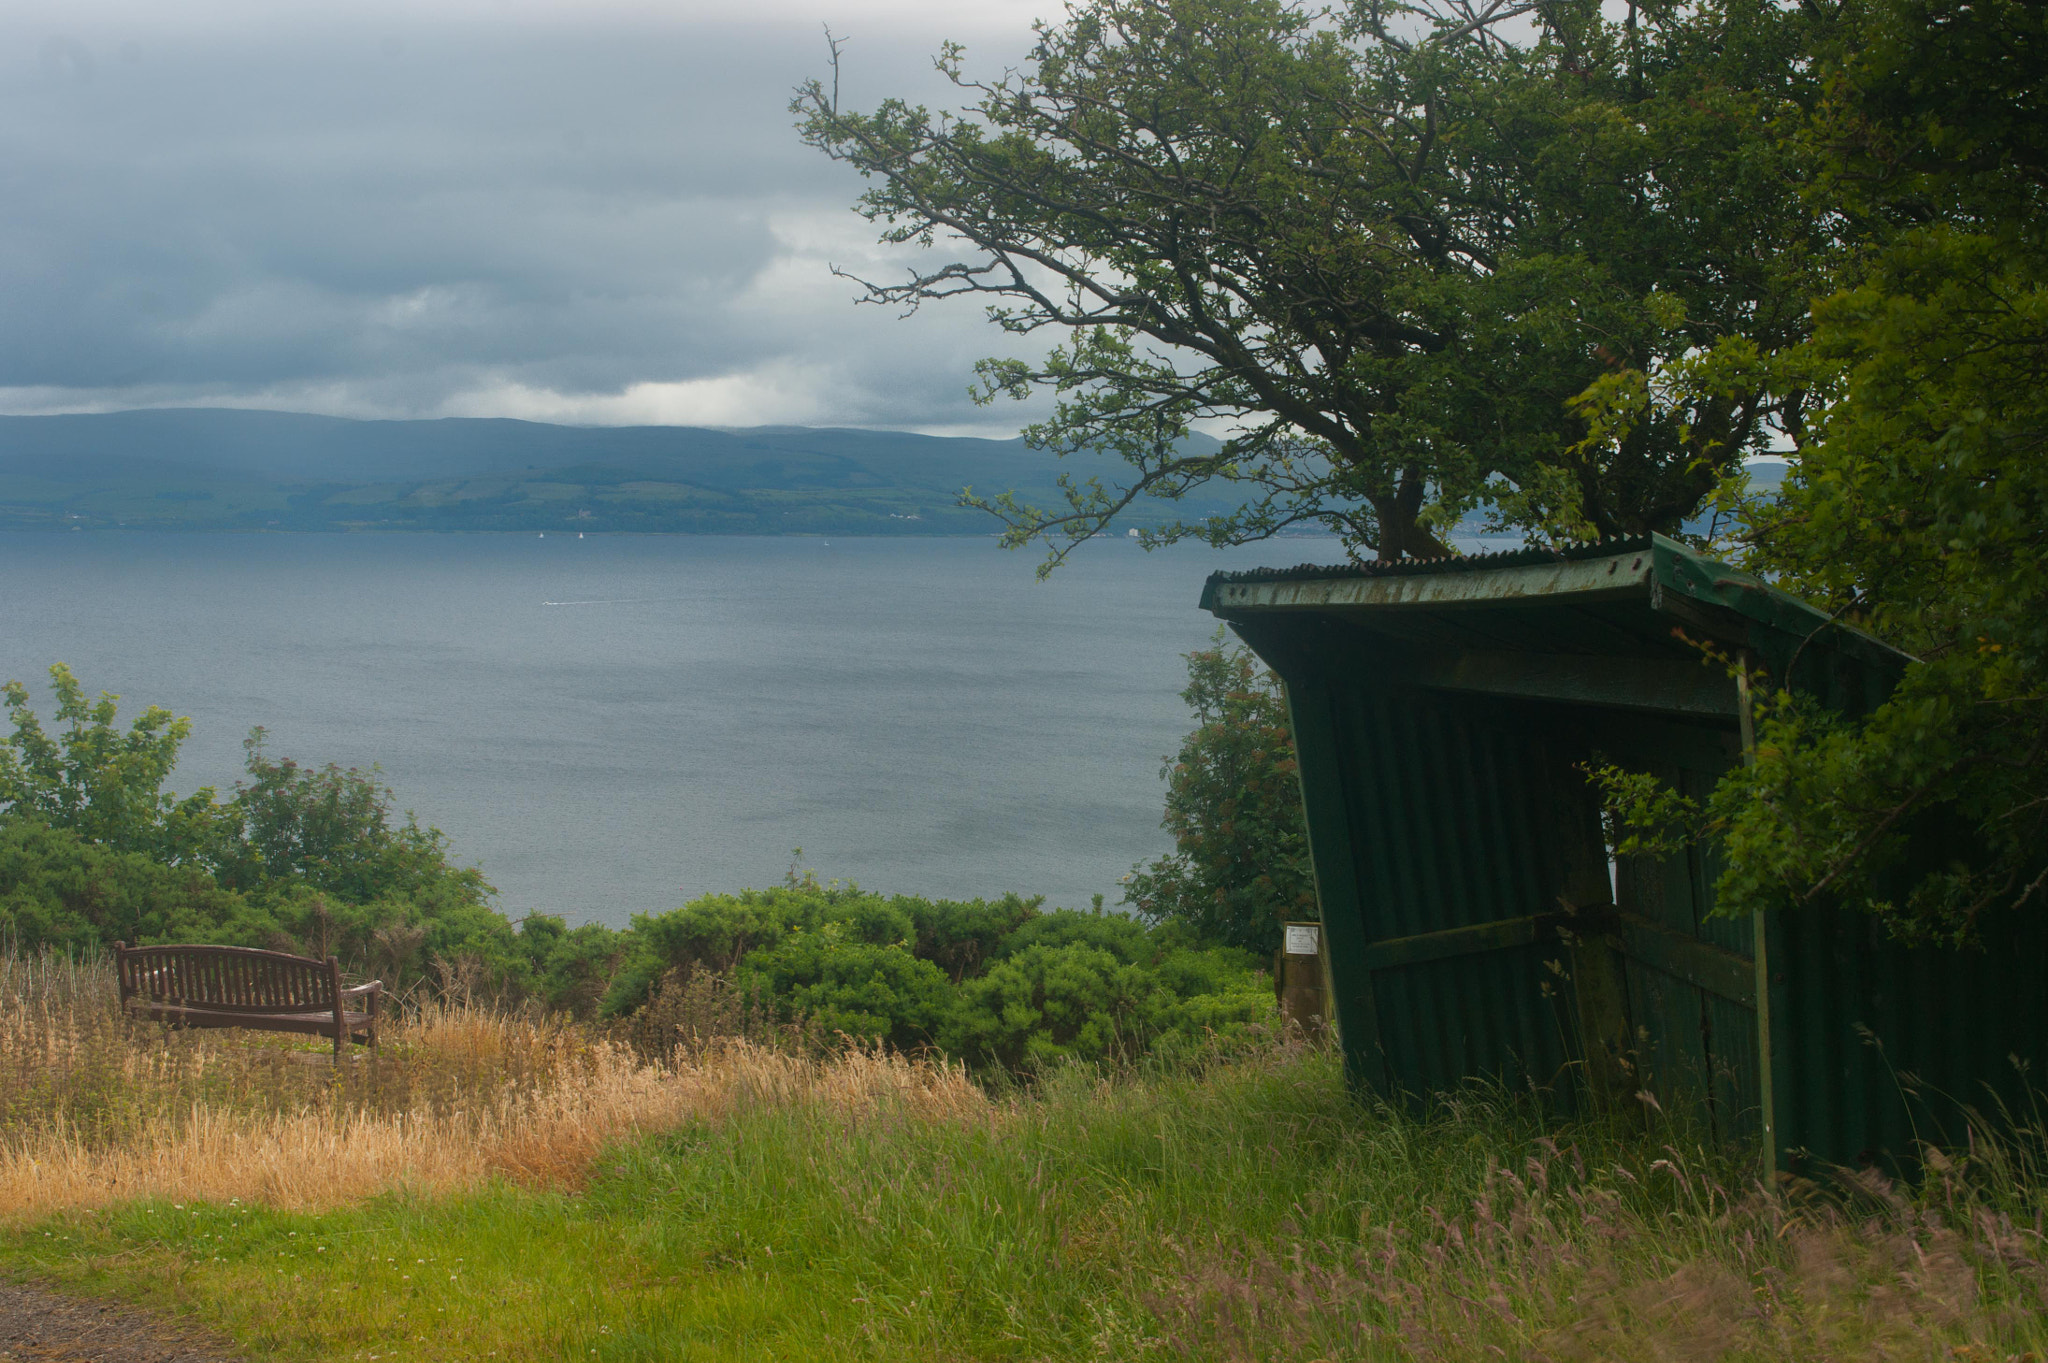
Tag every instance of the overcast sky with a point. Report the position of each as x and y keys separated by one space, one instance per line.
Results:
x=565 y=210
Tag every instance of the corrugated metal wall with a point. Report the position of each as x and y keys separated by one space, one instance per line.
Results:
x=1448 y=818
x=1442 y=813
x=1447 y=828
x=1879 y=1047
x=1696 y=1049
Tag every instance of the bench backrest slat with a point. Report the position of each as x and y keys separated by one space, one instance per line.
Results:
x=231 y=979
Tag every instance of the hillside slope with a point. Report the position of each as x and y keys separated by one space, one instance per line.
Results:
x=215 y=469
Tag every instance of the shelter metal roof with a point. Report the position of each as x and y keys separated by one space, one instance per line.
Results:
x=1582 y=599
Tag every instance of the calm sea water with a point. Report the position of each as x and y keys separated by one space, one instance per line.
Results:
x=617 y=724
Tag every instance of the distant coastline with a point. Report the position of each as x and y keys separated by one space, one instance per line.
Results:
x=234 y=469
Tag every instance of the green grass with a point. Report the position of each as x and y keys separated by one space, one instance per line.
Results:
x=1253 y=1211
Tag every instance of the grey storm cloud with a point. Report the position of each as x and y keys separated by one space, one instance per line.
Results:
x=580 y=214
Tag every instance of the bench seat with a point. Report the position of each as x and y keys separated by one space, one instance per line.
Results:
x=314 y=1024
x=269 y=991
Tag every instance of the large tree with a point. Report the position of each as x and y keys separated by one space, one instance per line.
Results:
x=1401 y=254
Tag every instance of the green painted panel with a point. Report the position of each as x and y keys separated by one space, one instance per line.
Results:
x=1735 y=1094
x=1396 y=952
x=1487 y=1017
x=1671 y=1056
x=1449 y=829
x=1323 y=768
x=1884 y=1046
x=1686 y=957
x=1455 y=851
x=1693 y=1005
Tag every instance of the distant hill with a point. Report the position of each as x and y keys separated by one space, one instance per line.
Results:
x=215 y=469
x=1768 y=473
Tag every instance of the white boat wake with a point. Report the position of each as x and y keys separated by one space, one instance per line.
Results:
x=617 y=601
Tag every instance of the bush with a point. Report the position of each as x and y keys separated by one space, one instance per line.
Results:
x=1000 y=984
x=301 y=859
x=1240 y=865
x=332 y=829
x=569 y=969
x=716 y=932
x=844 y=985
x=59 y=889
x=1048 y=1003
x=1120 y=935
x=961 y=936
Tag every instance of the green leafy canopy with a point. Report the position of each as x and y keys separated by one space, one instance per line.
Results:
x=1382 y=250
x=1917 y=502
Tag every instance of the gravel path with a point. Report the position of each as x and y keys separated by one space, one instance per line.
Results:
x=42 y=1327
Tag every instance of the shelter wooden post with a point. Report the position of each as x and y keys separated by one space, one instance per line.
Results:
x=1299 y=979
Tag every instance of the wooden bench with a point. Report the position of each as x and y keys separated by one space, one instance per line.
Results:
x=208 y=986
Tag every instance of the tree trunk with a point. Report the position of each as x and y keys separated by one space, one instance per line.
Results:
x=1401 y=534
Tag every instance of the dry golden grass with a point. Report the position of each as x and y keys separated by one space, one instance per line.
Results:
x=97 y=1109
x=1246 y=1210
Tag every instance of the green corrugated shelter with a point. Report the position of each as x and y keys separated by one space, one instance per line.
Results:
x=1474 y=924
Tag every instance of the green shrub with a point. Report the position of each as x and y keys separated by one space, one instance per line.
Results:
x=1047 y=1003
x=61 y=890
x=842 y=984
x=717 y=931
x=1000 y=984
x=570 y=968
x=1240 y=865
x=962 y=936
x=1121 y=935
x=302 y=859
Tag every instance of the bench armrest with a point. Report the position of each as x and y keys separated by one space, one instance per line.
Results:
x=372 y=989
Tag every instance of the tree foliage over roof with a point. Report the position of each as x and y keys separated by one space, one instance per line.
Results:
x=1386 y=247
x=1919 y=507
x=1916 y=505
